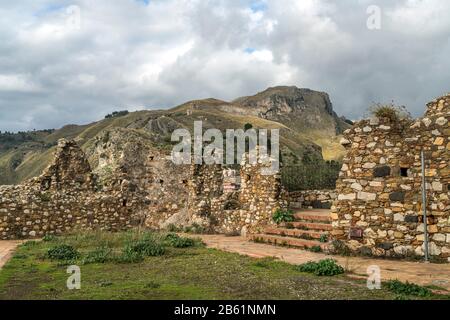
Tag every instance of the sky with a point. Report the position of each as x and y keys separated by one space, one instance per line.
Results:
x=73 y=62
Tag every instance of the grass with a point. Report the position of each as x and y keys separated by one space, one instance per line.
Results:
x=192 y=273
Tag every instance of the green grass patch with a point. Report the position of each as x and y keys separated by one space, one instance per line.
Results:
x=181 y=273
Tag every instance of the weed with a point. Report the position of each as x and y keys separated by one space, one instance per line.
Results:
x=49 y=238
x=176 y=241
x=407 y=289
x=63 y=252
x=283 y=216
x=323 y=238
x=98 y=255
x=340 y=248
x=327 y=267
x=315 y=249
x=264 y=262
x=390 y=111
x=152 y=285
x=30 y=244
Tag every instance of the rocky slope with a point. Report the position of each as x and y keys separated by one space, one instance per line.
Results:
x=306 y=120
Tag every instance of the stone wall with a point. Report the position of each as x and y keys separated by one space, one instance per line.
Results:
x=244 y=205
x=379 y=208
x=64 y=198
x=134 y=184
x=127 y=158
x=312 y=199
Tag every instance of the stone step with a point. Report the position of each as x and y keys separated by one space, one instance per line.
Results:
x=310 y=226
x=295 y=233
x=312 y=216
x=287 y=241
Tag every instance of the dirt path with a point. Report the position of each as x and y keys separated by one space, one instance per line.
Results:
x=6 y=250
x=416 y=272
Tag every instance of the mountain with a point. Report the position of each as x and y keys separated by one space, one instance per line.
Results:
x=307 y=123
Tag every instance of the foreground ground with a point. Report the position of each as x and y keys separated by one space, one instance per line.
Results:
x=180 y=273
x=426 y=274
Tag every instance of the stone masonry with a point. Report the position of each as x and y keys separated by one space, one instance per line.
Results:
x=224 y=207
x=379 y=206
x=65 y=198
x=134 y=184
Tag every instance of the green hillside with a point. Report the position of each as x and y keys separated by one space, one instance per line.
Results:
x=25 y=155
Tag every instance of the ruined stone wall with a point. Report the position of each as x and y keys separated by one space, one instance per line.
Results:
x=314 y=199
x=65 y=198
x=379 y=208
x=221 y=206
x=127 y=158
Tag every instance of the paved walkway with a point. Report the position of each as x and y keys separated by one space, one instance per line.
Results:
x=6 y=250
x=416 y=272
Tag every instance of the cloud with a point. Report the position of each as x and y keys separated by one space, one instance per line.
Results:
x=78 y=60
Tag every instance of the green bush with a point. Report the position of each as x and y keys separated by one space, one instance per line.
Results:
x=176 y=241
x=315 y=249
x=63 y=252
x=129 y=256
x=146 y=247
x=283 y=216
x=327 y=267
x=408 y=289
x=323 y=238
x=98 y=255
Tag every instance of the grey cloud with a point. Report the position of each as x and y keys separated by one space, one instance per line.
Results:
x=128 y=55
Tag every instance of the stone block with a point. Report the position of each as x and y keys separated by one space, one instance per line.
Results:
x=397 y=196
x=381 y=171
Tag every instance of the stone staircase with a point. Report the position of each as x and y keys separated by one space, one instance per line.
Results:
x=310 y=230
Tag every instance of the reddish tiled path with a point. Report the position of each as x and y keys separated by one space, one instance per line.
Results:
x=420 y=273
x=6 y=250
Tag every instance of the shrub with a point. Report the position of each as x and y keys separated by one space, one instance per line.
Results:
x=390 y=111
x=63 y=252
x=409 y=289
x=315 y=249
x=327 y=267
x=130 y=256
x=283 y=216
x=176 y=241
x=98 y=255
x=323 y=238
x=145 y=247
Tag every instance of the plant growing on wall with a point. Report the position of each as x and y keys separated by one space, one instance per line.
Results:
x=283 y=216
x=390 y=111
